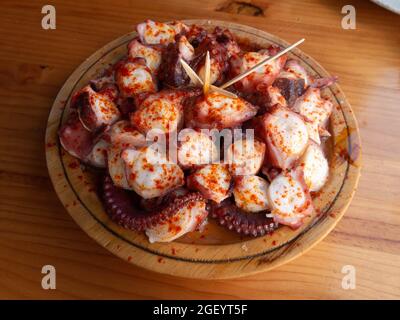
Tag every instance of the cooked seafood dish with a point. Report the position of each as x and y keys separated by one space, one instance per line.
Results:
x=175 y=151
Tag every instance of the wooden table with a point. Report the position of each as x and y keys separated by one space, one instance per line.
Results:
x=35 y=229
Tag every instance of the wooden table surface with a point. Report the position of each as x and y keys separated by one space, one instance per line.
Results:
x=35 y=229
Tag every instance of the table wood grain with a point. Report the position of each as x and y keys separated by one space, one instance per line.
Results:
x=35 y=229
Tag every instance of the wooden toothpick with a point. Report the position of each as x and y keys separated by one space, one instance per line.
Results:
x=192 y=75
x=224 y=92
x=198 y=82
x=207 y=73
x=260 y=64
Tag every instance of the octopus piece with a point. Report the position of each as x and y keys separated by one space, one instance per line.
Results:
x=196 y=35
x=151 y=32
x=111 y=91
x=270 y=172
x=195 y=149
x=323 y=82
x=295 y=71
x=125 y=208
x=245 y=156
x=152 y=55
x=315 y=110
x=134 y=77
x=292 y=81
x=286 y=135
x=162 y=111
x=213 y=181
x=106 y=86
x=289 y=198
x=263 y=76
x=230 y=216
x=275 y=96
x=315 y=167
x=179 y=27
x=122 y=136
x=265 y=98
x=185 y=49
x=96 y=110
x=187 y=218
x=290 y=89
x=251 y=193
x=217 y=67
x=171 y=71
x=221 y=46
x=98 y=155
x=75 y=138
x=116 y=167
x=226 y=38
x=149 y=173
x=215 y=110
x=128 y=105
x=107 y=80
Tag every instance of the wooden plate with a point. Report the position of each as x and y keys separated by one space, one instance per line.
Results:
x=217 y=252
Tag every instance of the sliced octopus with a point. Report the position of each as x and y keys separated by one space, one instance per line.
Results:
x=172 y=73
x=245 y=156
x=122 y=136
x=286 y=135
x=189 y=215
x=152 y=55
x=134 y=77
x=221 y=46
x=75 y=138
x=315 y=167
x=161 y=111
x=251 y=185
x=151 y=32
x=218 y=111
x=95 y=109
x=292 y=81
x=213 y=181
x=182 y=212
x=290 y=198
x=251 y=193
x=316 y=111
x=263 y=76
x=195 y=148
x=149 y=173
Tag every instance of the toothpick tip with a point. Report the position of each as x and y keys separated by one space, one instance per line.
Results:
x=207 y=73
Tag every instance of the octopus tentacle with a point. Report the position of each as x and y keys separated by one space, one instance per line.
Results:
x=123 y=207
x=231 y=217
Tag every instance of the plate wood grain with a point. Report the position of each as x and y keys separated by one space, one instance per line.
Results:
x=216 y=253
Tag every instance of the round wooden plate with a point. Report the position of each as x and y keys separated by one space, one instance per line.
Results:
x=217 y=252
